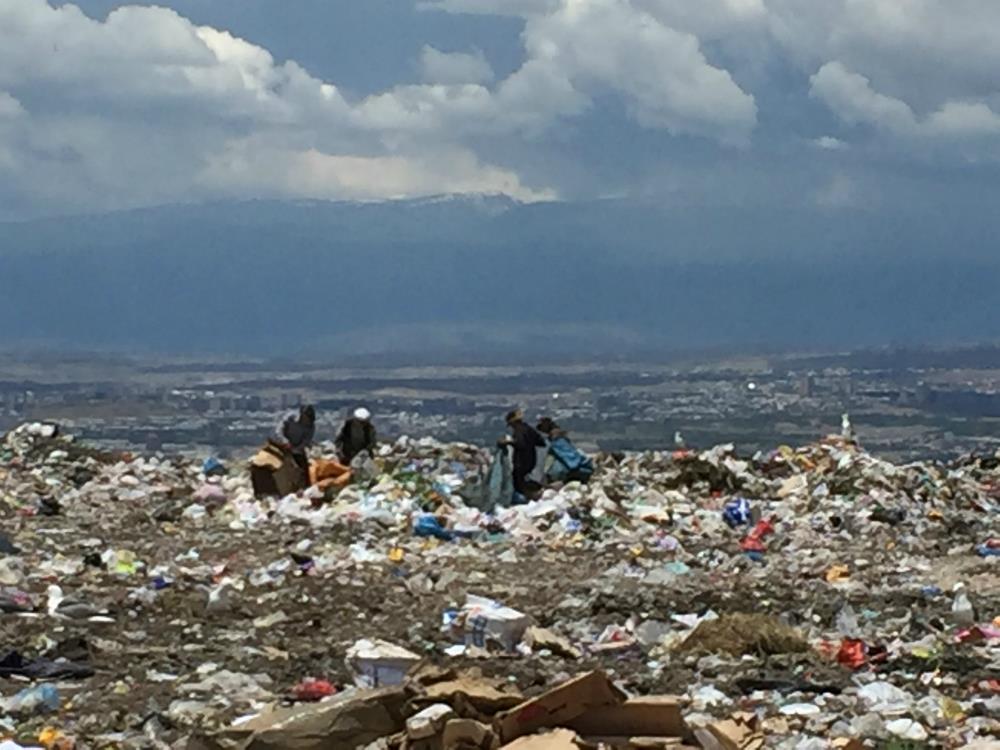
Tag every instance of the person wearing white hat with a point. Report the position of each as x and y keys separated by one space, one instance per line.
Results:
x=356 y=436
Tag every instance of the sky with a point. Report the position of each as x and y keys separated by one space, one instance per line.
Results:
x=839 y=105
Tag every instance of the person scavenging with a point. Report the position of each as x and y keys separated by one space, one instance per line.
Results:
x=525 y=441
x=295 y=433
x=281 y=467
x=356 y=436
x=568 y=463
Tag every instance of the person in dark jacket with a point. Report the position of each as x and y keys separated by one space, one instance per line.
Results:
x=281 y=467
x=526 y=441
x=356 y=436
x=295 y=433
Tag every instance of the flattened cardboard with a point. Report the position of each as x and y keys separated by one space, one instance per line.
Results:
x=480 y=693
x=464 y=733
x=559 y=706
x=739 y=732
x=345 y=722
x=636 y=743
x=559 y=739
x=651 y=716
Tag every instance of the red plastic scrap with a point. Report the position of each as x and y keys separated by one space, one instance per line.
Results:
x=853 y=653
x=988 y=686
x=312 y=690
x=752 y=545
x=754 y=541
x=977 y=633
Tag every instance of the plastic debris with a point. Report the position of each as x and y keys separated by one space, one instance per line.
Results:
x=170 y=601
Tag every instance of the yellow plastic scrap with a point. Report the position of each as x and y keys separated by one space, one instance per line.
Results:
x=52 y=739
x=396 y=555
x=838 y=574
x=951 y=709
x=125 y=562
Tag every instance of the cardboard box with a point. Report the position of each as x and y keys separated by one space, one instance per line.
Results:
x=637 y=743
x=479 y=693
x=651 y=716
x=378 y=663
x=560 y=739
x=460 y=734
x=740 y=732
x=559 y=707
x=484 y=621
x=347 y=721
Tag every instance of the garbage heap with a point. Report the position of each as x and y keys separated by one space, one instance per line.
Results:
x=817 y=597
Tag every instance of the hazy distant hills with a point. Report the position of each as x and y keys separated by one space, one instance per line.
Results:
x=487 y=274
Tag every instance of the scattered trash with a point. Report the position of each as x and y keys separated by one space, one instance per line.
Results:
x=30 y=701
x=483 y=621
x=853 y=653
x=740 y=634
x=989 y=548
x=429 y=525
x=737 y=512
x=213 y=467
x=377 y=663
x=311 y=690
x=169 y=600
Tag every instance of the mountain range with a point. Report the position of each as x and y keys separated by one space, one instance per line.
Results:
x=486 y=275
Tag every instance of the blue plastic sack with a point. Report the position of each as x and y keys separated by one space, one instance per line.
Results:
x=428 y=525
x=737 y=512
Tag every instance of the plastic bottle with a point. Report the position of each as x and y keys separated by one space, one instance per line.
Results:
x=35 y=700
x=962 y=612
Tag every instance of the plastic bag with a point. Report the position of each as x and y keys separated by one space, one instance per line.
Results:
x=499 y=480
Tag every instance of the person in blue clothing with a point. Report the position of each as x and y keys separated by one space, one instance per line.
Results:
x=569 y=464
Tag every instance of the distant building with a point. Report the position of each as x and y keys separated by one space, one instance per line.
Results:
x=807 y=385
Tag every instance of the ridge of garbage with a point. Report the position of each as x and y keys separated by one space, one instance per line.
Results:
x=805 y=597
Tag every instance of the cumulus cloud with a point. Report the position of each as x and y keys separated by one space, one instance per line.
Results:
x=146 y=96
x=515 y=8
x=576 y=50
x=964 y=119
x=920 y=51
x=145 y=106
x=661 y=73
x=851 y=96
x=454 y=67
x=708 y=19
x=243 y=168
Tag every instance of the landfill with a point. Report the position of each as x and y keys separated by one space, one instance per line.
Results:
x=811 y=597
